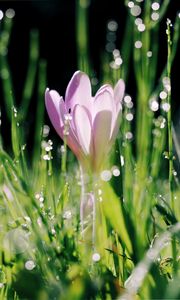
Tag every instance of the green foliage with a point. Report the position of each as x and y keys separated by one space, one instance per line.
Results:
x=42 y=252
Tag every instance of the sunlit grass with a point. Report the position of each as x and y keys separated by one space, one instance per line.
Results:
x=43 y=254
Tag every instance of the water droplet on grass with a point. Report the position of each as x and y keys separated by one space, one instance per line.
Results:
x=155 y=16
x=135 y=10
x=30 y=265
x=1 y=15
x=110 y=47
x=149 y=54
x=163 y=95
x=10 y=13
x=122 y=160
x=129 y=135
x=116 y=53
x=115 y=171
x=166 y=106
x=67 y=215
x=138 y=44
x=112 y=25
x=141 y=27
x=96 y=257
x=45 y=131
x=129 y=117
x=154 y=105
x=130 y=4
x=106 y=175
x=155 y=5
x=138 y=21
x=127 y=99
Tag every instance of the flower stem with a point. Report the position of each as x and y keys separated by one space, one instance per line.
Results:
x=88 y=208
x=82 y=201
x=94 y=225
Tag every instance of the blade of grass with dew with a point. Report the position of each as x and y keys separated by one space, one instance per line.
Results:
x=82 y=35
x=31 y=73
x=134 y=283
x=4 y=66
x=126 y=48
x=40 y=110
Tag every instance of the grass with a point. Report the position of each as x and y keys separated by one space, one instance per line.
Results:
x=137 y=232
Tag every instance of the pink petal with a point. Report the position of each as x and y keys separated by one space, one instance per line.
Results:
x=83 y=128
x=105 y=87
x=78 y=91
x=103 y=102
x=53 y=101
x=101 y=136
x=115 y=129
x=119 y=91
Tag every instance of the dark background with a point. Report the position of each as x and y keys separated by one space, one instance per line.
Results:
x=55 y=21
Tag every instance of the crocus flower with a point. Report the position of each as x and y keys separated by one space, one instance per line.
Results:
x=88 y=124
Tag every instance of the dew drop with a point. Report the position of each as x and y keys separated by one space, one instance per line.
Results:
x=155 y=6
x=163 y=95
x=46 y=157
x=154 y=16
x=118 y=61
x=30 y=265
x=110 y=47
x=129 y=135
x=165 y=106
x=135 y=10
x=1 y=15
x=138 y=21
x=67 y=215
x=129 y=117
x=115 y=171
x=149 y=54
x=112 y=25
x=10 y=13
x=122 y=160
x=62 y=149
x=116 y=53
x=130 y=4
x=141 y=27
x=45 y=131
x=127 y=99
x=113 y=65
x=99 y=192
x=138 y=44
x=94 y=81
x=106 y=175
x=96 y=257
x=154 y=105
x=111 y=36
